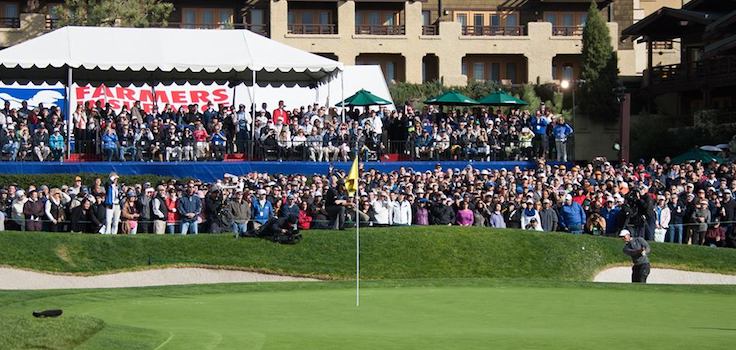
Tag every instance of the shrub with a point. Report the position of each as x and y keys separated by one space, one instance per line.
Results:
x=57 y=180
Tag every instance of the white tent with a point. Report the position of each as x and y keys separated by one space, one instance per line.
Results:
x=161 y=55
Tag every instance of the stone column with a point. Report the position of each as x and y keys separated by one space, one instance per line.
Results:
x=279 y=17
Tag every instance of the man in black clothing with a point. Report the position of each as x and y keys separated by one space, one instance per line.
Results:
x=638 y=249
x=335 y=203
x=441 y=213
x=729 y=206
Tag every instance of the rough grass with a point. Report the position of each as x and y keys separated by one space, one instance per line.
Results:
x=386 y=253
x=65 y=332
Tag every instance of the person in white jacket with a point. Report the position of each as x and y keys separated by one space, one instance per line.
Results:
x=401 y=211
x=528 y=214
x=382 y=209
x=663 y=218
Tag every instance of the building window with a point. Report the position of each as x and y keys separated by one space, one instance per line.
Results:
x=9 y=15
x=568 y=72
x=426 y=18
x=390 y=71
x=478 y=70
x=566 y=23
x=377 y=18
x=554 y=71
x=207 y=17
x=464 y=69
x=489 y=22
x=511 y=71
x=495 y=71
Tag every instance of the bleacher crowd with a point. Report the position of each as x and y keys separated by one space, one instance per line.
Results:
x=307 y=133
x=680 y=203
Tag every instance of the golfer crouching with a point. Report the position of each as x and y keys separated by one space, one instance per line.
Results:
x=638 y=249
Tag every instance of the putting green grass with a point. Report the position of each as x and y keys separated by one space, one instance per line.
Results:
x=429 y=314
x=386 y=253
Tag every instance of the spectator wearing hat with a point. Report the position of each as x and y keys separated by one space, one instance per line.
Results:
x=112 y=203
x=189 y=206
x=291 y=207
x=610 y=212
x=262 y=209
x=561 y=132
x=336 y=201
x=401 y=211
x=548 y=216
x=54 y=211
x=701 y=217
x=441 y=213
x=572 y=216
x=130 y=214
x=421 y=212
x=159 y=210
x=512 y=216
x=716 y=235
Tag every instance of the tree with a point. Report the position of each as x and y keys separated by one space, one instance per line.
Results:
x=600 y=68
x=106 y=13
x=530 y=97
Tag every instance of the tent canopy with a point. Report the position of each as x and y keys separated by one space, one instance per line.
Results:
x=153 y=55
x=500 y=98
x=364 y=98
x=452 y=98
x=695 y=155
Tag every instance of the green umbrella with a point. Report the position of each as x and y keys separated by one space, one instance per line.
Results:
x=364 y=98
x=695 y=155
x=451 y=98
x=500 y=98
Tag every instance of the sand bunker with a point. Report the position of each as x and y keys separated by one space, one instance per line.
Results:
x=664 y=276
x=22 y=279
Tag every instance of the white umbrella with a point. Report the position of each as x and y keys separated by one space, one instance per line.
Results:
x=710 y=148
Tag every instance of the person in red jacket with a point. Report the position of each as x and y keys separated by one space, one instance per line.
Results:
x=305 y=220
x=280 y=113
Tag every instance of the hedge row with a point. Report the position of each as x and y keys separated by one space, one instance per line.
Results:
x=88 y=179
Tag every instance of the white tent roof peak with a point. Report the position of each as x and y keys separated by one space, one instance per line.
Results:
x=163 y=54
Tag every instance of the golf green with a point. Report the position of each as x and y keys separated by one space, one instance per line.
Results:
x=434 y=314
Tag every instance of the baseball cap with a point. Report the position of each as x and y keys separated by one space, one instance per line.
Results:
x=568 y=197
x=77 y=178
x=624 y=232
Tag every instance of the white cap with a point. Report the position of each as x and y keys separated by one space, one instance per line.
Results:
x=624 y=232
x=568 y=197
x=261 y=191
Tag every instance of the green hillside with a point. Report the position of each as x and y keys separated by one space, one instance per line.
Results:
x=386 y=253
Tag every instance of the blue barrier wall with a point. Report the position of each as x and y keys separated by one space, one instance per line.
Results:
x=210 y=171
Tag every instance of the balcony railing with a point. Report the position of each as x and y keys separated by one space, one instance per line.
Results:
x=261 y=29
x=567 y=30
x=662 y=45
x=714 y=72
x=380 y=30
x=312 y=29
x=9 y=22
x=493 y=30
x=430 y=30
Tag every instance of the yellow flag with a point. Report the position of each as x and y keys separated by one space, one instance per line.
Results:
x=351 y=183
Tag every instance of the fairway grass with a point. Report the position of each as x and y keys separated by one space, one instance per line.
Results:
x=425 y=314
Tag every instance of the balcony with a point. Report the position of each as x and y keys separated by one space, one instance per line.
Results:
x=260 y=29
x=493 y=30
x=430 y=30
x=567 y=30
x=9 y=22
x=380 y=30
x=717 y=72
x=320 y=29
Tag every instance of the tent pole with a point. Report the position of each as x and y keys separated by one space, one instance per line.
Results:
x=69 y=120
x=342 y=95
x=154 y=101
x=254 y=116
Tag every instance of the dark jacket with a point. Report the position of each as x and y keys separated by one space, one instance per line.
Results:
x=189 y=204
x=549 y=219
x=634 y=248
x=442 y=214
x=83 y=220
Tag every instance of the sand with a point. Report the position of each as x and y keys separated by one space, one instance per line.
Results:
x=664 y=276
x=14 y=279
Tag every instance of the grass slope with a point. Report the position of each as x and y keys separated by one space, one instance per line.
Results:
x=420 y=314
x=386 y=253
x=26 y=332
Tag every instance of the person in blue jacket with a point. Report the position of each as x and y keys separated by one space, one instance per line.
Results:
x=189 y=206
x=610 y=213
x=262 y=209
x=572 y=216
x=110 y=144
x=539 y=124
x=561 y=132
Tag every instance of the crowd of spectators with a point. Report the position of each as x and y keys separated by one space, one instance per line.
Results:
x=679 y=203
x=312 y=132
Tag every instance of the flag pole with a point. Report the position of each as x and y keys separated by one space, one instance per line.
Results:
x=357 y=228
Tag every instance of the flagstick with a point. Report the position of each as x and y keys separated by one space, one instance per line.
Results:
x=357 y=229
